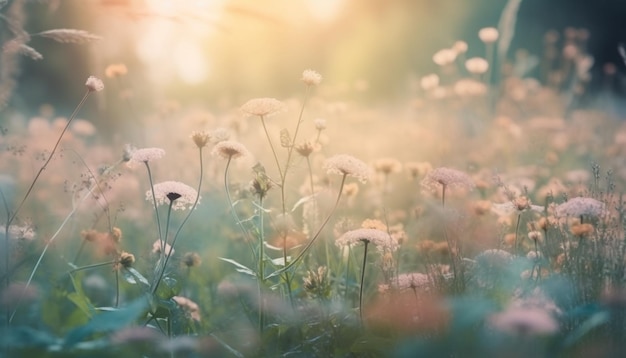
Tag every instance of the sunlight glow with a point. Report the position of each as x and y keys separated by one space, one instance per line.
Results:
x=325 y=10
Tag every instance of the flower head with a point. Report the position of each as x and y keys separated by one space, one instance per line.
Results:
x=115 y=70
x=488 y=34
x=145 y=155
x=344 y=164
x=477 y=65
x=311 y=78
x=263 y=107
x=180 y=195
x=450 y=178
x=320 y=124
x=191 y=259
x=94 y=84
x=414 y=280
x=525 y=321
x=381 y=239
x=229 y=149
x=200 y=138
x=581 y=206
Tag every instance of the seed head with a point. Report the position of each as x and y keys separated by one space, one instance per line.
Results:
x=263 y=107
x=311 y=78
x=488 y=34
x=344 y=164
x=94 y=84
x=200 y=138
x=229 y=149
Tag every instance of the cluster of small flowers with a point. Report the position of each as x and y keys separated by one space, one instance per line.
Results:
x=180 y=195
x=229 y=149
x=450 y=178
x=577 y=207
x=412 y=281
x=381 y=239
x=263 y=107
x=145 y=155
x=348 y=165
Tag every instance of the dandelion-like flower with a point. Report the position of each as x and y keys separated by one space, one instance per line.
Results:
x=344 y=164
x=381 y=239
x=429 y=82
x=190 y=307
x=115 y=70
x=450 y=178
x=306 y=148
x=200 y=138
x=517 y=205
x=387 y=165
x=219 y=135
x=412 y=281
x=229 y=149
x=94 y=84
x=145 y=155
x=156 y=248
x=126 y=259
x=191 y=259
x=17 y=232
x=581 y=207
x=311 y=78
x=263 y=107
x=181 y=196
x=319 y=123
x=488 y=34
x=525 y=321
x=477 y=65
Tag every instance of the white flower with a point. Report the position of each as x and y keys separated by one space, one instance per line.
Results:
x=145 y=155
x=180 y=195
x=344 y=164
x=311 y=78
x=381 y=239
x=263 y=107
x=94 y=84
x=581 y=206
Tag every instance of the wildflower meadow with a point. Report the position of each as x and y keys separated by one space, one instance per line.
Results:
x=480 y=211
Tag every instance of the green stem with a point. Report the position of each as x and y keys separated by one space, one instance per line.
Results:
x=191 y=210
x=280 y=171
x=43 y=167
x=156 y=210
x=317 y=234
x=232 y=207
x=519 y=216
x=362 y=281
x=54 y=236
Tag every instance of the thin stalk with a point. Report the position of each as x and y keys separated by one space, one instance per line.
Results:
x=156 y=210
x=366 y=242
x=160 y=267
x=117 y=288
x=43 y=167
x=519 y=216
x=317 y=234
x=193 y=207
x=232 y=207
x=261 y=273
x=92 y=266
x=280 y=171
x=55 y=235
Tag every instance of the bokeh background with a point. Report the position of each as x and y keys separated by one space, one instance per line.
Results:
x=219 y=53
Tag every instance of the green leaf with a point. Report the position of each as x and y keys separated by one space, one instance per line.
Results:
x=107 y=322
x=82 y=302
x=168 y=288
x=240 y=268
x=132 y=276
